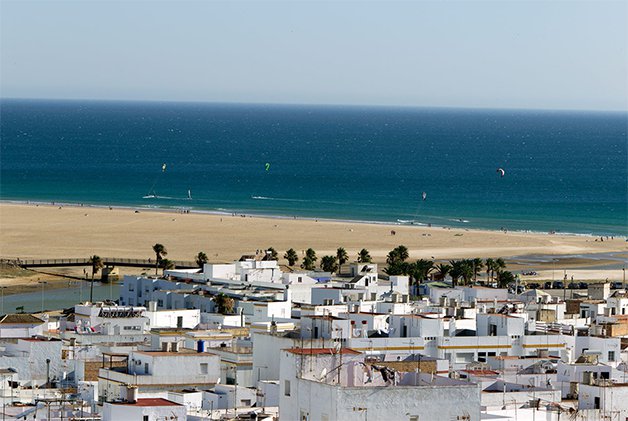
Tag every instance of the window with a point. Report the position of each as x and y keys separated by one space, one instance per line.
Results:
x=145 y=418
x=131 y=287
x=286 y=388
x=204 y=368
x=160 y=303
x=300 y=279
x=245 y=402
x=611 y=355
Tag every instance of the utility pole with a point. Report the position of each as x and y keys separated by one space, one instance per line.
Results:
x=43 y=283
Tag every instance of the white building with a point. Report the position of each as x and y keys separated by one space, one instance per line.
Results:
x=21 y=326
x=181 y=318
x=153 y=371
x=147 y=409
x=322 y=384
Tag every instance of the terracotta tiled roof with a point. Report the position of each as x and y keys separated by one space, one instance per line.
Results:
x=20 y=319
x=151 y=402
x=321 y=351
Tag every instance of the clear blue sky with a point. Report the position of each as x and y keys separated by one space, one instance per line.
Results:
x=522 y=54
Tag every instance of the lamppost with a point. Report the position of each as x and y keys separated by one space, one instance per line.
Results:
x=2 y=299
x=47 y=373
x=43 y=283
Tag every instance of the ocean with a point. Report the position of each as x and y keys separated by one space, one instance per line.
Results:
x=564 y=171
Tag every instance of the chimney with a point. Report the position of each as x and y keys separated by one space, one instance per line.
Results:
x=131 y=394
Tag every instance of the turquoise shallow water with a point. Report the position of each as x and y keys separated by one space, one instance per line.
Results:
x=564 y=171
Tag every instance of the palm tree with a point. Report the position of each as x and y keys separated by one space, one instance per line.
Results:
x=364 y=256
x=201 y=259
x=329 y=264
x=399 y=268
x=504 y=278
x=342 y=256
x=461 y=269
x=500 y=265
x=442 y=270
x=422 y=269
x=224 y=304
x=396 y=262
x=490 y=268
x=467 y=270
x=97 y=264
x=311 y=254
x=271 y=254
x=166 y=264
x=478 y=264
x=398 y=254
x=291 y=256
x=308 y=263
x=160 y=251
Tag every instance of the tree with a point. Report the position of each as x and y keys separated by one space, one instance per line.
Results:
x=397 y=255
x=504 y=278
x=160 y=252
x=291 y=256
x=342 y=256
x=490 y=268
x=329 y=264
x=308 y=263
x=461 y=269
x=364 y=256
x=442 y=270
x=271 y=254
x=500 y=265
x=477 y=265
x=201 y=259
x=224 y=304
x=422 y=269
x=396 y=262
x=97 y=264
x=399 y=268
x=455 y=272
x=166 y=264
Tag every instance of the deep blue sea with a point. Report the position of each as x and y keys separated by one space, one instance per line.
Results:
x=564 y=171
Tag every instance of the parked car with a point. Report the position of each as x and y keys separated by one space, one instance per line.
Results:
x=573 y=285
x=548 y=285
x=583 y=285
x=616 y=285
x=558 y=285
x=533 y=285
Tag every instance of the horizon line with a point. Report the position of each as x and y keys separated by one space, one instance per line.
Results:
x=314 y=104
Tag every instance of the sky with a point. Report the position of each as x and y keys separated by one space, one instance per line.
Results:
x=491 y=54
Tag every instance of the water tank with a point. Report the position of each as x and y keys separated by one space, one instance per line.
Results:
x=200 y=346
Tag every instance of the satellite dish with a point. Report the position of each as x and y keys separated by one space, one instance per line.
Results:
x=323 y=374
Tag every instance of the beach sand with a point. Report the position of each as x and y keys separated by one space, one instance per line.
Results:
x=28 y=231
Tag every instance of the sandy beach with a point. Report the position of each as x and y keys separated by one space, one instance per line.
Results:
x=31 y=231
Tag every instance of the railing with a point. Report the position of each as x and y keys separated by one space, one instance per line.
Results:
x=542 y=327
x=112 y=261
